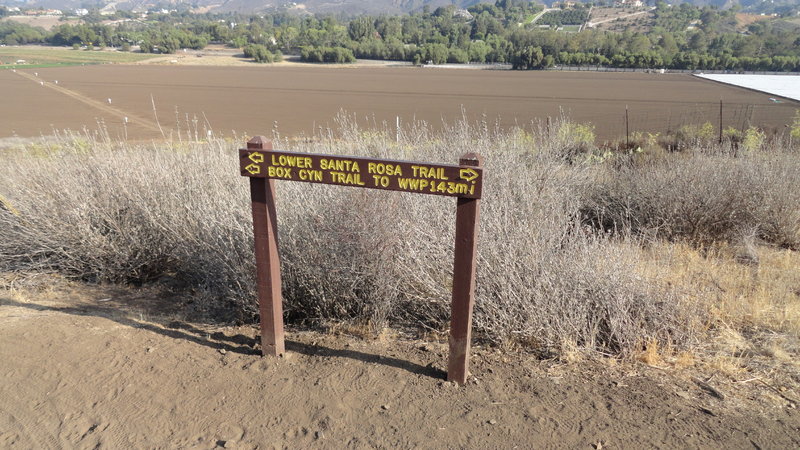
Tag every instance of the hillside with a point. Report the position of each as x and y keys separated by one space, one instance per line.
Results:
x=356 y=7
x=347 y=7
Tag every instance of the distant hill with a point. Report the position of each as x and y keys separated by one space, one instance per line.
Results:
x=780 y=7
x=349 y=7
x=355 y=7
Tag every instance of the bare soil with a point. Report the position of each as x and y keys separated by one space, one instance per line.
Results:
x=621 y=19
x=744 y=19
x=88 y=366
x=302 y=99
x=46 y=22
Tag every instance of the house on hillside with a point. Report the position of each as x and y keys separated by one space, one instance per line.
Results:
x=44 y=12
x=463 y=13
x=567 y=4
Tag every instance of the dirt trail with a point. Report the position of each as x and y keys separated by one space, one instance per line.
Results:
x=97 y=366
x=106 y=108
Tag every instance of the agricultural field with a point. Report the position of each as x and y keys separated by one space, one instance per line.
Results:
x=743 y=20
x=299 y=100
x=36 y=57
x=621 y=19
x=46 y=22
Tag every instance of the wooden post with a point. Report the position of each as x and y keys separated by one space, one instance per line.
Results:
x=720 y=121
x=627 y=132
x=268 y=265
x=467 y=216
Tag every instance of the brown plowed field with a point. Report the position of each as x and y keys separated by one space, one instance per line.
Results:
x=300 y=99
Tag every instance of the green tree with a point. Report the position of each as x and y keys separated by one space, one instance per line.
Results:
x=457 y=56
x=360 y=28
x=436 y=53
x=478 y=50
x=258 y=52
x=528 y=58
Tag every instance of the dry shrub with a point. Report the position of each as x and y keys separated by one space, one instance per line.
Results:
x=702 y=198
x=126 y=212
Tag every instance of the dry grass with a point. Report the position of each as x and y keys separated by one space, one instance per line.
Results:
x=104 y=211
x=751 y=327
x=739 y=296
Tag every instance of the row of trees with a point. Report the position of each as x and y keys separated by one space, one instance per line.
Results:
x=159 y=37
x=327 y=55
x=575 y=16
x=681 y=37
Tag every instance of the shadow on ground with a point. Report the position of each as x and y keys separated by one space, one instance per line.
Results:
x=217 y=340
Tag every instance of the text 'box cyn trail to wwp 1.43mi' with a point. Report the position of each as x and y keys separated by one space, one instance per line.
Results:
x=263 y=166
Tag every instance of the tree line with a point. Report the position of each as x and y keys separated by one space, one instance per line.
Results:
x=679 y=37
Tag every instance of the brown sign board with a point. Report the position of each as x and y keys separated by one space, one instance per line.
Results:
x=416 y=177
x=263 y=165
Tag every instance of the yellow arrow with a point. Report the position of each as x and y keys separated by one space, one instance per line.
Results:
x=468 y=174
x=253 y=169
x=256 y=157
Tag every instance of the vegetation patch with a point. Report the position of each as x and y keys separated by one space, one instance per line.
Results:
x=682 y=37
x=33 y=56
x=579 y=249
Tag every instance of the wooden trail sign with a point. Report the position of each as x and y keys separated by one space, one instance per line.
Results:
x=263 y=165
x=416 y=177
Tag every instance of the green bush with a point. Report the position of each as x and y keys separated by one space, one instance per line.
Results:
x=259 y=53
x=795 y=131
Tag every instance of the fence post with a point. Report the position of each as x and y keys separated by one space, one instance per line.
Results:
x=268 y=266
x=466 y=245
x=627 y=130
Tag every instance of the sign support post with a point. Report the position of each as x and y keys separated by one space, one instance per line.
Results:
x=263 y=165
x=467 y=216
x=268 y=264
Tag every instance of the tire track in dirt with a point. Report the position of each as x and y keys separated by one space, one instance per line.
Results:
x=126 y=117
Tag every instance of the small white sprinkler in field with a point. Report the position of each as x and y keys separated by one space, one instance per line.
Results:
x=125 y=119
x=36 y=73
x=56 y=81
x=42 y=83
x=109 y=101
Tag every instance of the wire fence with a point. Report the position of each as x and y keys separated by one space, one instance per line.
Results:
x=622 y=124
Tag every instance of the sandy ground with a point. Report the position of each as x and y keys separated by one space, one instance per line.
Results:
x=94 y=366
x=301 y=99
